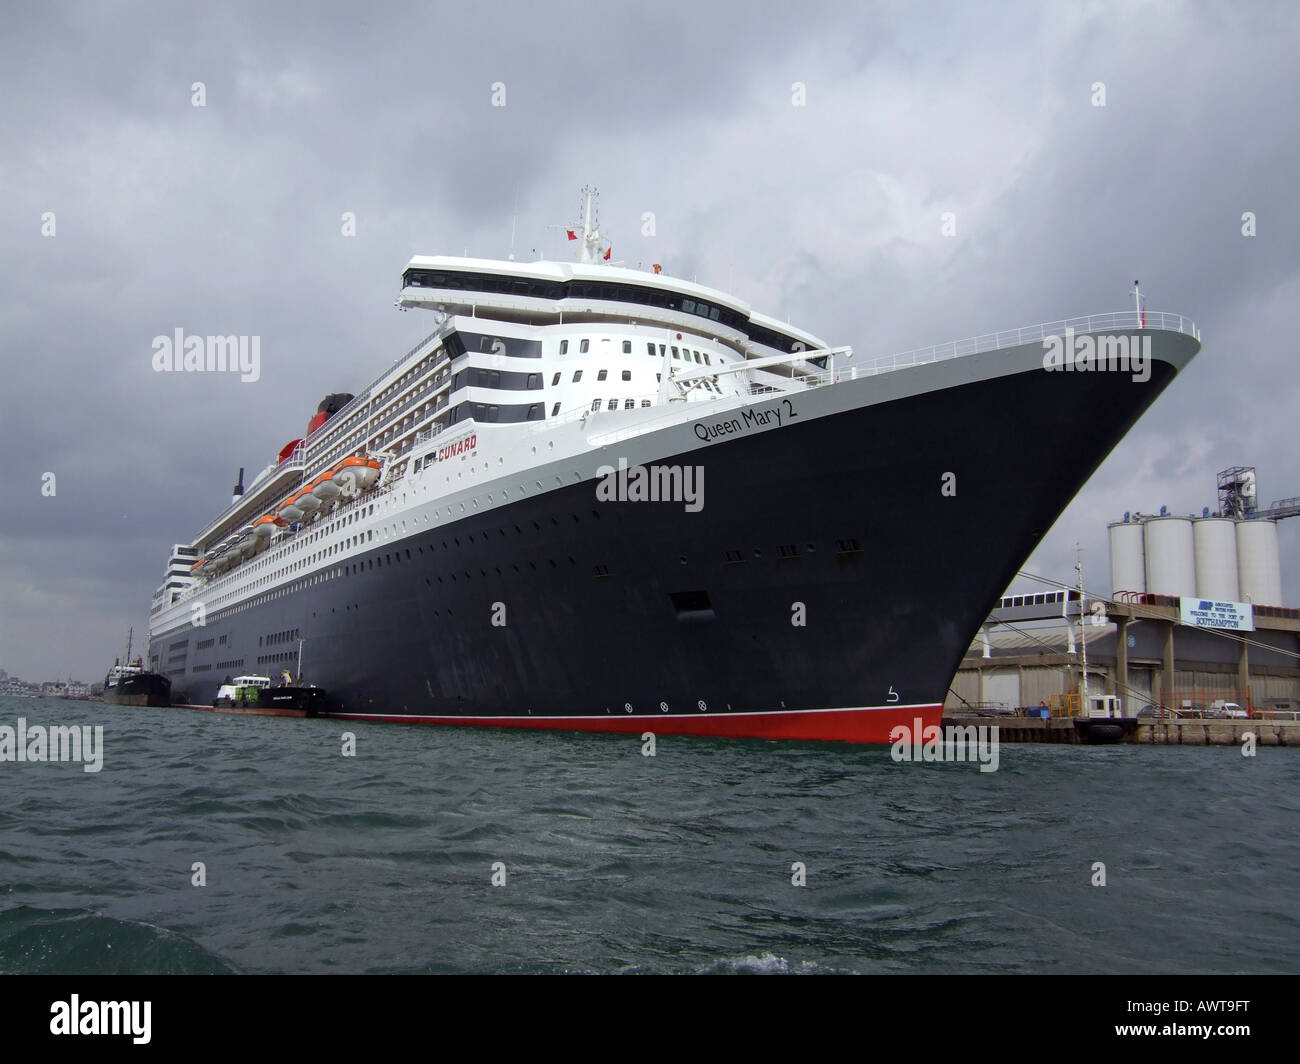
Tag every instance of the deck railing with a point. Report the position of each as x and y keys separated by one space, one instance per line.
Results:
x=1117 y=320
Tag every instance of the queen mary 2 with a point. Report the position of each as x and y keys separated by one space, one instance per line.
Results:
x=605 y=499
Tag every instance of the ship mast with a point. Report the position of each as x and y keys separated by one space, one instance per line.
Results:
x=1083 y=635
x=590 y=248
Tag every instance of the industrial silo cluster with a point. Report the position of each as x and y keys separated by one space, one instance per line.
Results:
x=1227 y=559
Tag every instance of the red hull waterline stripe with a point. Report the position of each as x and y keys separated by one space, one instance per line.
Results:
x=868 y=724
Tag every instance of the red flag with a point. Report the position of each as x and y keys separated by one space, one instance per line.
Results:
x=572 y=234
x=609 y=251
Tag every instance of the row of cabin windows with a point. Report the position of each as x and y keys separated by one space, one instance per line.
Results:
x=628 y=404
x=278 y=637
x=602 y=375
x=477 y=377
x=584 y=347
x=492 y=412
x=644 y=296
x=460 y=343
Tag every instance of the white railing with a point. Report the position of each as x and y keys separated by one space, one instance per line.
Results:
x=975 y=345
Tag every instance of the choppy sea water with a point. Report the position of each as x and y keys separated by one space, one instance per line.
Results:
x=617 y=862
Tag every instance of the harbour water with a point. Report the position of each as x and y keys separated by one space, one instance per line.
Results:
x=616 y=862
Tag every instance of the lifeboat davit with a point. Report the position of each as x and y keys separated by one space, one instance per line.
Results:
x=357 y=474
x=264 y=526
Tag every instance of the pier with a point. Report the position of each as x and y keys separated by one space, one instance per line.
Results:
x=1155 y=731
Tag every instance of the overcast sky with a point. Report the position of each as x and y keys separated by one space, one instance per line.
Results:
x=227 y=219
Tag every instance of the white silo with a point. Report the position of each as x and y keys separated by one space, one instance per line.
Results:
x=1215 y=539
x=1258 y=563
x=1170 y=556
x=1127 y=557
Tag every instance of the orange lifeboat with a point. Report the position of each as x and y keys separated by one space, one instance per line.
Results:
x=354 y=475
x=306 y=501
x=324 y=488
x=264 y=526
x=290 y=511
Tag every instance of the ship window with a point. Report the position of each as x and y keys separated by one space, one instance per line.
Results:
x=627 y=374
x=577 y=376
x=675 y=354
x=613 y=404
x=688 y=305
x=645 y=402
x=627 y=347
x=602 y=374
x=564 y=347
x=630 y=404
x=535 y=412
x=707 y=360
x=595 y=404
x=555 y=380
x=585 y=346
x=697 y=356
x=650 y=349
x=555 y=409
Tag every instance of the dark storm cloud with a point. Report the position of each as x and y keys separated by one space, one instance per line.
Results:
x=226 y=220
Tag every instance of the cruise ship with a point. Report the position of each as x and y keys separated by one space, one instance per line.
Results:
x=596 y=498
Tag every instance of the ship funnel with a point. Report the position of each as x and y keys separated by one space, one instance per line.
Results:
x=239 y=488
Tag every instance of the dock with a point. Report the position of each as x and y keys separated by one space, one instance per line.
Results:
x=1153 y=731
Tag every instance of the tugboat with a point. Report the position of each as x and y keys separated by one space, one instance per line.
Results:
x=1103 y=721
x=132 y=685
x=257 y=694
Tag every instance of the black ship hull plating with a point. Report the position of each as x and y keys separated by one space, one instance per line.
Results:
x=147 y=689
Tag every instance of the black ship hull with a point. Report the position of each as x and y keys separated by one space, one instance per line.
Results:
x=827 y=589
x=146 y=689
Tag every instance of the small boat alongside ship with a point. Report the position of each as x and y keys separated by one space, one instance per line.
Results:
x=257 y=694
x=134 y=685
